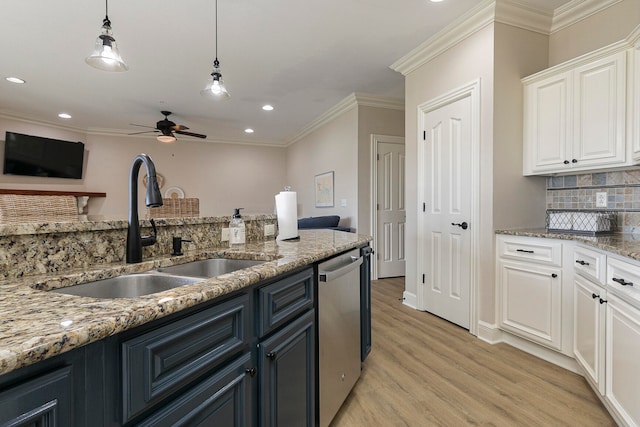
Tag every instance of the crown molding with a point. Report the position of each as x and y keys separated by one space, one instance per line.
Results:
x=10 y=115
x=577 y=10
x=521 y=15
x=460 y=29
x=351 y=101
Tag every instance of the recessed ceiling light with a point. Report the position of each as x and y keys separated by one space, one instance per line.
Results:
x=15 y=80
x=267 y=107
x=436 y=1
x=64 y=116
x=248 y=130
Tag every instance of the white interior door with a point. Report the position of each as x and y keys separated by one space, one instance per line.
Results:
x=391 y=210
x=447 y=211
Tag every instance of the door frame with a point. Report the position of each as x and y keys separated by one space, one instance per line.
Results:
x=472 y=90
x=373 y=193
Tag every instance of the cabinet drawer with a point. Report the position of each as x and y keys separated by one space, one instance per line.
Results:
x=590 y=264
x=158 y=363
x=623 y=278
x=538 y=250
x=281 y=301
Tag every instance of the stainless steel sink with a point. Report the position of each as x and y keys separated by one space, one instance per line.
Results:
x=210 y=267
x=128 y=286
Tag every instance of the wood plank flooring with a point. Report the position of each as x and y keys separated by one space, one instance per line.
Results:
x=425 y=371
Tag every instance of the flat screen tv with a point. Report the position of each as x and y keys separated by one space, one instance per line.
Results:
x=44 y=157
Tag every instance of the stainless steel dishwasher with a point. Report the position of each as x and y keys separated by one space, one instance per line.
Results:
x=338 y=330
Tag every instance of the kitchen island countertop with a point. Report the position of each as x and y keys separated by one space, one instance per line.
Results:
x=624 y=244
x=37 y=324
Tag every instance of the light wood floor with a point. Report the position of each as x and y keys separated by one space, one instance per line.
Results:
x=424 y=371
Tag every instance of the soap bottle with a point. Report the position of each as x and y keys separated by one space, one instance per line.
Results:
x=236 y=229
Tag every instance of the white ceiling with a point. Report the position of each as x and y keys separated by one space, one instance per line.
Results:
x=301 y=56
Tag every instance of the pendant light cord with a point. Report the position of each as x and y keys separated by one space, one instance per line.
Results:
x=216 y=30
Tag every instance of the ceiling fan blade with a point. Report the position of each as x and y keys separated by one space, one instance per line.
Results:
x=146 y=131
x=142 y=126
x=197 y=135
x=179 y=127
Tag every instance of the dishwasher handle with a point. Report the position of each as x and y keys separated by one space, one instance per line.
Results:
x=329 y=275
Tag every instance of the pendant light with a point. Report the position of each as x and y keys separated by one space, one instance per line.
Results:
x=215 y=88
x=105 y=55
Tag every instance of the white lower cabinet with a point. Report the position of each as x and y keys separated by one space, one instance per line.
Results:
x=531 y=302
x=623 y=360
x=588 y=336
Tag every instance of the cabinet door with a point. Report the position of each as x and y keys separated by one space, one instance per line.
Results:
x=222 y=400
x=623 y=348
x=286 y=367
x=547 y=126
x=46 y=400
x=588 y=337
x=599 y=112
x=531 y=302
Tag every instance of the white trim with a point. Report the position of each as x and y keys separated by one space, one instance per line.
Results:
x=373 y=194
x=577 y=10
x=351 y=101
x=523 y=16
x=541 y=352
x=409 y=299
x=465 y=26
x=471 y=90
x=489 y=333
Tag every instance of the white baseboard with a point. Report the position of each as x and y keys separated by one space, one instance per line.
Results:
x=409 y=299
x=489 y=332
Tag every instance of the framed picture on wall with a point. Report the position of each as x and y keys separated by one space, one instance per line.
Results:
x=324 y=190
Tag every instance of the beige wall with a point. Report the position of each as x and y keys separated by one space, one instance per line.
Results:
x=222 y=176
x=518 y=201
x=608 y=26
x=372 y=121
x=332 y=147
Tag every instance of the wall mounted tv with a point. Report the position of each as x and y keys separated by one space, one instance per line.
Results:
x=44 y=157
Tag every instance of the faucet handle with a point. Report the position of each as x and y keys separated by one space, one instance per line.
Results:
x=150 y=239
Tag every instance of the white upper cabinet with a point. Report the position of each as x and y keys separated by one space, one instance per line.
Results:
x=635 y=110
x=575 y=115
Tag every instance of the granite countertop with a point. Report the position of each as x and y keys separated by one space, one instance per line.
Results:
x=37 y=324
x=624 y=244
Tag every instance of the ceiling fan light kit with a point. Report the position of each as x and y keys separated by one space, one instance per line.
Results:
x=215 y=87
x=167 y=139
x=106 y=55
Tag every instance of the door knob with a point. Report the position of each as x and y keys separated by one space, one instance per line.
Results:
x=462 y=225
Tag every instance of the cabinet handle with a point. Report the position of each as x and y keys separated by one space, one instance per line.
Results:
x=581 y=262
x=523 y=250
x=566 y=162
x=602 y=301
x=554 y=275
x=594 y=296
x=622 y=282
x=271 y=355
x=251 y=372
x=574 y=160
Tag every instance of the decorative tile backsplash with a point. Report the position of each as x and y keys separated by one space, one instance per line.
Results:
x=578 y=192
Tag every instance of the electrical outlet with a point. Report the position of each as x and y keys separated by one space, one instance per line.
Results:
x=601 y=199
x=225 y=235
x=269 y=230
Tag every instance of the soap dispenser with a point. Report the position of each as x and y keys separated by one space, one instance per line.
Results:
x=236 y=229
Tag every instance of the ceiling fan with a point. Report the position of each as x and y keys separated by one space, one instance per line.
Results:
x=167 y=128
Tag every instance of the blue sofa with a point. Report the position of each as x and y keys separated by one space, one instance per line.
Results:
x=327 y=221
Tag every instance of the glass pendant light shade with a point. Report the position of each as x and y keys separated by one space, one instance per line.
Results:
x=105 y=54
x=215 y=87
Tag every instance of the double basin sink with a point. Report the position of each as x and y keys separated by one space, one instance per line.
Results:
x=161 y=279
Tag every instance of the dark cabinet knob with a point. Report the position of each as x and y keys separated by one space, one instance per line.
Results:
x=602 y=301
x=574 y=160
x=272 y=355
x=594 y=296
x=566 y=162
x=554 y=275
x=462 y=225
x=251 y=372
